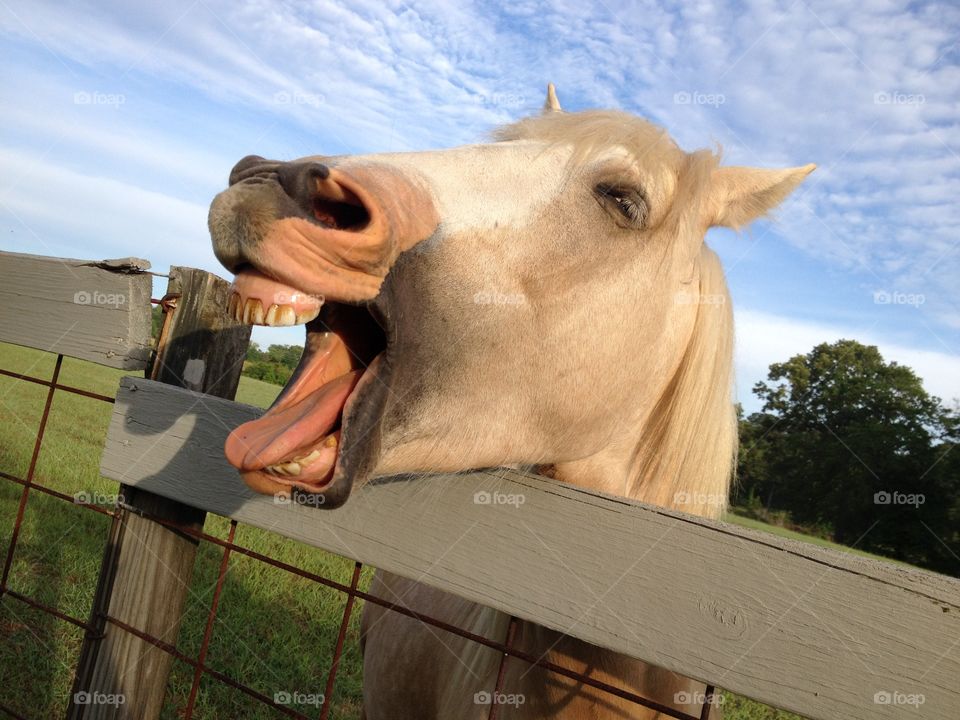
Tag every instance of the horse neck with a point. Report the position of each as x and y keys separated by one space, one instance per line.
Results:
x=565 y=698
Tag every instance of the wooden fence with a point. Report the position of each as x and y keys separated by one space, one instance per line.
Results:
x=819 y=632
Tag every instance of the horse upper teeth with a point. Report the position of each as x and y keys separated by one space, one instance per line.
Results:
x=251 y=312
x=307 y=316
x=251 y=308
x=256 y=314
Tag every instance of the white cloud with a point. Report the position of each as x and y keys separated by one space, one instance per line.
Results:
x=50 y=205
x=139 y=151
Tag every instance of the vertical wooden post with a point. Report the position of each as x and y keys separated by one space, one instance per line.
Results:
x=147 y=566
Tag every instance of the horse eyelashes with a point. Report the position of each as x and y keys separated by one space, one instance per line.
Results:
x=631 y=203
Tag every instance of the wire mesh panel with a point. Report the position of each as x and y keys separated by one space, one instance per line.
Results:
x=20 y=601
x=56 y=512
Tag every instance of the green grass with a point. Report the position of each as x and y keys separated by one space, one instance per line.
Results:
x=274 y=631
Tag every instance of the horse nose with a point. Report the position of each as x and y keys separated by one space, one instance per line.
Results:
x=299 y=180
x=249 y=166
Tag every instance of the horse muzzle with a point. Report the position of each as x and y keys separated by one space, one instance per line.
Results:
x=326 y=228
x=309 y=242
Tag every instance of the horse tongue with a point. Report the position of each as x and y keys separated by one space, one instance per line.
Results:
x=288 y=431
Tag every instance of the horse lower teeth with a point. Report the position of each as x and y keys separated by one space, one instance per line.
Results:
x=287 y=468
x=307 y=459
x=295 y=467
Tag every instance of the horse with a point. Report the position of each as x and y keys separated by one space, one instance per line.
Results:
x=545 y=300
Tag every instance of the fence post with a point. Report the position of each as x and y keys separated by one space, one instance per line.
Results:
x=146 y=569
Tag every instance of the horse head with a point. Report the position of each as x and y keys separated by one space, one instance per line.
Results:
x=546 y=299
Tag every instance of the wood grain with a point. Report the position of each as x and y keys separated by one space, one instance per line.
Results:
x=92 y=310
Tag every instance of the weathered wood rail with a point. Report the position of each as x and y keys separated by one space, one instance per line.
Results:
x=819 y=632
x=92 y=310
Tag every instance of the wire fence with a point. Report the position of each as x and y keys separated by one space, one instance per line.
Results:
x=93 y=627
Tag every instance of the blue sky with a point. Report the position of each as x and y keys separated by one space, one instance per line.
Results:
x=121 y=121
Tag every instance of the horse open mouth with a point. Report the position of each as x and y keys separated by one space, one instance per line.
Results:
x=321 y=433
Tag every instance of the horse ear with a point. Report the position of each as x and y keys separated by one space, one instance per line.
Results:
x=551 y=104
x=740 y=195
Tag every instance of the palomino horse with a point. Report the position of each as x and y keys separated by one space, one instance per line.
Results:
x=544 y=300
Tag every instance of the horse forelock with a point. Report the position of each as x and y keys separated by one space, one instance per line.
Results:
x=591 y=133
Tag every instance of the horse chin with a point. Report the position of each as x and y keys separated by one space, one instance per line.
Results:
x=322 y=434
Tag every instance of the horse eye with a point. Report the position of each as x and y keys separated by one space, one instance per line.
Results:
x=629 y=202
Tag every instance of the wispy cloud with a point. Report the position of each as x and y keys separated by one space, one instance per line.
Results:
x=117 y=218
x=867 y=90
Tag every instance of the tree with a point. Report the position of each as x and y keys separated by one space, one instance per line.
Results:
x=286 y=355
x=274 y=365
x=849 y=442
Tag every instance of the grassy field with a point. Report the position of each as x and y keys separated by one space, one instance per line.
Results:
x=274 y=631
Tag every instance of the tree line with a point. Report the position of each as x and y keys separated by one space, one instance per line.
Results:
x=273 y=365
x=851 y=447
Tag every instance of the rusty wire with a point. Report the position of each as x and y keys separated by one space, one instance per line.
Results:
x=93 y=628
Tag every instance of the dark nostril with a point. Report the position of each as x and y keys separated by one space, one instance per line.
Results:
x=299 y=179
x=318 y=171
